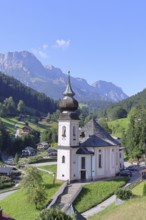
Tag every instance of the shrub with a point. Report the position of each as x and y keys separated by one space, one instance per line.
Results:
x=144 y=190
x=53 y=214
x=123 y=193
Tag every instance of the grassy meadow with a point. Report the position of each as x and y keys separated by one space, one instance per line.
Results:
x=51 y=168
x=133 y=208
x=13 y=123
x=94 y=193
x=19 y=207
x=118 y=126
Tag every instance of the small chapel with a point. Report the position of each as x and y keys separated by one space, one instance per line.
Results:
x=87 y=153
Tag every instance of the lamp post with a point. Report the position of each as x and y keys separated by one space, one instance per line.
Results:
x=53 y=174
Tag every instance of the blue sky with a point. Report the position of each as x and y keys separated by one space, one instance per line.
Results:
x=96 y=39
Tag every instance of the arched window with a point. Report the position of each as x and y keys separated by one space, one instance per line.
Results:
x=117 y=157
x=113 y=158
x=74 y=131
x=100 y=159
x=63 y=131
x=63 y=159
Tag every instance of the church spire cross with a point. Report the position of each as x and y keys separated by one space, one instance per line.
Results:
x=69 y=91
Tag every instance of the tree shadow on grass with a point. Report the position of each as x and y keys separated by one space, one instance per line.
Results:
x=51 y=185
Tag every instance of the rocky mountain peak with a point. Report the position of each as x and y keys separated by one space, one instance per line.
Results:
x=50 y=80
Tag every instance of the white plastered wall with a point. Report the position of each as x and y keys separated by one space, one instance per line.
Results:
x=63 y=169
x=70 y=139
x=110 y=161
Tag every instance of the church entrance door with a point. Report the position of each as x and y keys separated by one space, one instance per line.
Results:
x=83 y=174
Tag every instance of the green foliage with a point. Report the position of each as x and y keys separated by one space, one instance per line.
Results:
x=53 y=214
x=6 y=182
x=118 y=127
x=34 y=187
x=55 y=115
x=9 y=106
x=104 y=124
x=5 y=140
x=50 y=135
x=132 y=102
x=25 y=209
x=135 y=138
x=144 y=190
x=123 y=194
x=94 y=193
x=20 y=106
x=116 y=112
x=16 y=158
x=19 y=143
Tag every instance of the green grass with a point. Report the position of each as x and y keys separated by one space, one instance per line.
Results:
x=102 y=213
x=11 y=122
x=94 y=193
x=41 y=126
x=51 y=168
x=35 y=159
x=138 y=190
x=19 y=207
x=117 y=126
x=131 y=209
x=43 y=160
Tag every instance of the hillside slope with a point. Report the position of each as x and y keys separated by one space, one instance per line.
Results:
x=132 y=102
x=32 y=99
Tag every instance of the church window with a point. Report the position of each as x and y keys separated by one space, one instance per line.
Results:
x=82 y=162
x=117 y=158
x=100 y=159
x=63 y=159
x=74 y=131
x=63 y=131
x=113 y=158
x=82 y=135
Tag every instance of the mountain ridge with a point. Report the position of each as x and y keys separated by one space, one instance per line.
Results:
x=50 y=80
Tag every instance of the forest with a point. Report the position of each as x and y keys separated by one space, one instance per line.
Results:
x=39 y=102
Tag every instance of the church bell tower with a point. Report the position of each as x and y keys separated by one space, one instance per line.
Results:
x=68 y=135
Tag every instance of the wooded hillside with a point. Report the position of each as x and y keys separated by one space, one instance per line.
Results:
x=9 y=86
x=121 y=109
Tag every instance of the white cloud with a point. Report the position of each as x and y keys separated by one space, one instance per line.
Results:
x=62 y=43
x=45 y=46
x=41 y=52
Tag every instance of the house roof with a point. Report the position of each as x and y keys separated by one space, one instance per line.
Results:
x=96 y=136
x=27 y=128
x=83 y=150
x=28 y=148
x=42 y=144
x=6 y=169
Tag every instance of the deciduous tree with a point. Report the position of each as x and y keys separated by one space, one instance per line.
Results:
x=32 y=183
x=135 y=138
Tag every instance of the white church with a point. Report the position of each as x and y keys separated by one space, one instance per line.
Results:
x=89 y=153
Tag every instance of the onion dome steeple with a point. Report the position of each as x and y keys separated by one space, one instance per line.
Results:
x=68 y=91
x=69 y=103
